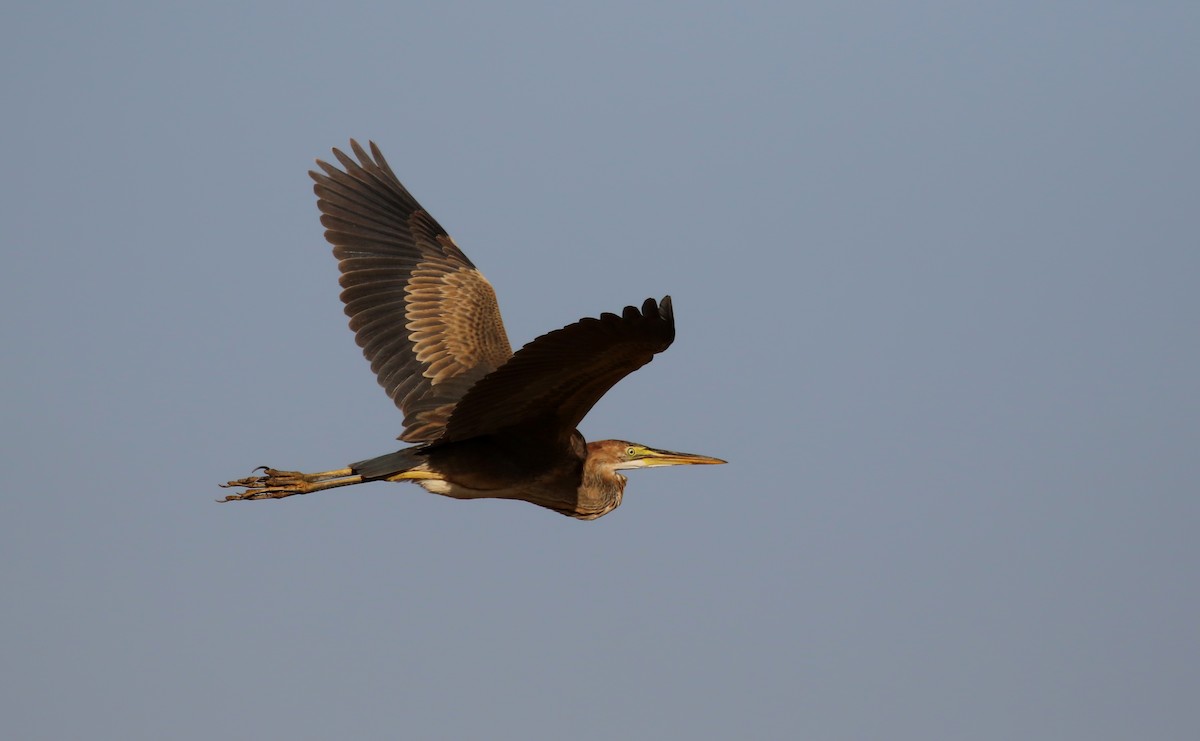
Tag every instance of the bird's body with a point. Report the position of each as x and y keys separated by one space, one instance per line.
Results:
x=488 y=423
x=492 y=468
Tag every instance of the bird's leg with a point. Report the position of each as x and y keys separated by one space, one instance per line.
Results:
x=273 y=484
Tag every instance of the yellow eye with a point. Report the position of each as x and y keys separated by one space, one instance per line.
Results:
x=630 y=452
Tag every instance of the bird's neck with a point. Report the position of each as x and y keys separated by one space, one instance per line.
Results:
x=599 y=493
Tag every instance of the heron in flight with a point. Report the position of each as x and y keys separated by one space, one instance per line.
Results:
x=487 y=422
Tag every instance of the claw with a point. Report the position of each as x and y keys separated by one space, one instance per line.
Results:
x=276 y=484
x=272 y=484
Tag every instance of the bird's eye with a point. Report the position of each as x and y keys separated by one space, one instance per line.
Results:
x=630 y=451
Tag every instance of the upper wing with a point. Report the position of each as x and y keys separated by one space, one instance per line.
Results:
x=555 y=380
x=424 y=316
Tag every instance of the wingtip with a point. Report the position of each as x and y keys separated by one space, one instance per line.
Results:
x=665 y=310
x=358 y=150
x=660 y=311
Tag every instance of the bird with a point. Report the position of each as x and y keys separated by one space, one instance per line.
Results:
x=485 y=422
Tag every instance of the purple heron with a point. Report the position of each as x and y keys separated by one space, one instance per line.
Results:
x=487 y=422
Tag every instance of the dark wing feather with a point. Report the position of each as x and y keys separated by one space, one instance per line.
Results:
x=424 y=316
x=554 y=381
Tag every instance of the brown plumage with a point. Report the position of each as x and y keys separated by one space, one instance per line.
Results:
x=426 y=319
x=489 y=423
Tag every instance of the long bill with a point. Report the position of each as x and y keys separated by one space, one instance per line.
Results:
x=651 y=457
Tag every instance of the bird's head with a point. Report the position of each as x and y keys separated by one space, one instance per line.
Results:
x=619 y=455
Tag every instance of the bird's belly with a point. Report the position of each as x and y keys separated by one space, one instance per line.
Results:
x=558 y=498
x=457 y=490
x=450 y=489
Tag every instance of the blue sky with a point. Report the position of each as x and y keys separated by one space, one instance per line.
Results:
x=934 y=268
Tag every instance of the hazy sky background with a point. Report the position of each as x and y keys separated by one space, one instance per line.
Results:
x=935 y=272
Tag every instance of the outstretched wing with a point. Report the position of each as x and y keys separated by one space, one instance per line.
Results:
x=555 y=380
x=425 y=318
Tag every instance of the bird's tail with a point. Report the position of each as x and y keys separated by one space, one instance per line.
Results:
x=387 y=466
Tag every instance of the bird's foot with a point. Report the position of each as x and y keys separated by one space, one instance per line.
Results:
x=272 y=484
x=275 y=484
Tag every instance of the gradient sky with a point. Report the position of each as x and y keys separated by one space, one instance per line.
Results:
x=935 y=272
